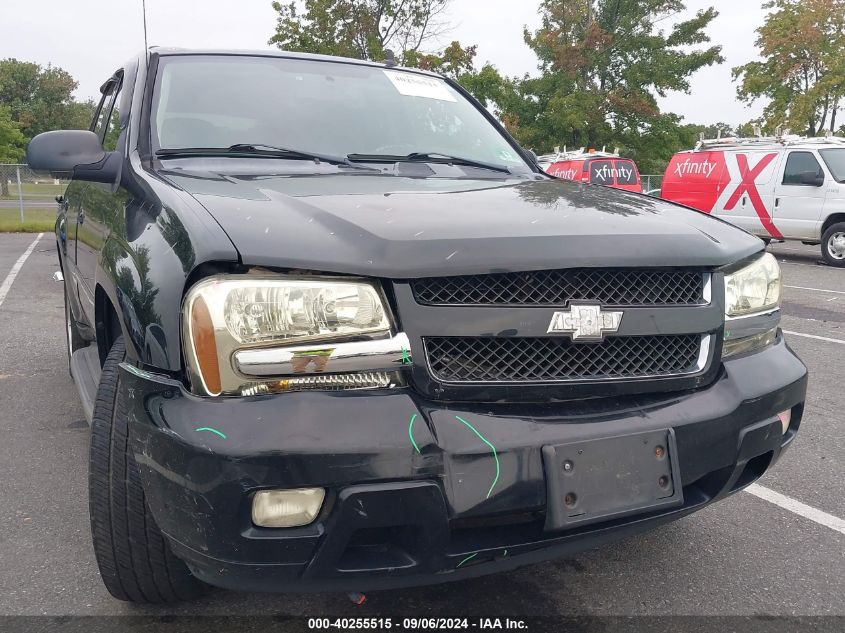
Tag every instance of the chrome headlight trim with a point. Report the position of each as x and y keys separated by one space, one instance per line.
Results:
x=381 y=355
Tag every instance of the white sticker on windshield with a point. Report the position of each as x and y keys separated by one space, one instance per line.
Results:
x=413 y=85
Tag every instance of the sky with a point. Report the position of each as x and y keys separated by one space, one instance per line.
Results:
x=92 y=38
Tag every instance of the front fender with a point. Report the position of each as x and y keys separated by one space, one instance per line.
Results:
x=145 y=264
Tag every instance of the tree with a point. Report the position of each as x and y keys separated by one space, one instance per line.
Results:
x=458 y=63
x=365 y=29
x=40 y=99
x=802 y=73
x=12 y=144
x=713 y=130
x=362 y=29
x=12 y=141
x=603 y=63
x=454 y=61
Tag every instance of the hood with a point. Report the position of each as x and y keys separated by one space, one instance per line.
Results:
x=401 y=227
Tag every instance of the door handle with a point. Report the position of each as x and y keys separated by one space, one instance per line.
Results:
x=777 y=202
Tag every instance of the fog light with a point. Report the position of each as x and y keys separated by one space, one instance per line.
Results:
x=286 y=508
x=785 y=419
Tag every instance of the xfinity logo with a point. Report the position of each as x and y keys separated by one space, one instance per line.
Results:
x=606 y=173
x=566 y=174
x=585 y=323
x=705 y=168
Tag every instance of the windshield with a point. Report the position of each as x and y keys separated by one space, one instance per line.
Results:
x=321 y=107
x=835 y=161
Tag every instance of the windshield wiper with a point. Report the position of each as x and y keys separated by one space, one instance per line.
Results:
x=259 y=149
x=429 y=157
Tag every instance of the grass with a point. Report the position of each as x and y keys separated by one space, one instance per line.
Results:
x=46 y=190
x=35 y=220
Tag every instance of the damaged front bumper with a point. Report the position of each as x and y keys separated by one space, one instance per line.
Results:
x=421 y=491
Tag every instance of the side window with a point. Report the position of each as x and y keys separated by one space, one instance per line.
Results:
x=601 y=172
x=626 y=173
x=112 y=132
x=105 y=124
x=99 y=116
x=799 y=167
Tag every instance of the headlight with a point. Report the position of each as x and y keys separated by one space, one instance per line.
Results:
x=226 y=314
x=755 y=288
x=752 y=299
x=291 y=311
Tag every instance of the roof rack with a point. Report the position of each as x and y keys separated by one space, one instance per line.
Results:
x=579 y=154
x=779 y=140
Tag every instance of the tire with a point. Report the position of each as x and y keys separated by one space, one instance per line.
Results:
x=134 y=559
x=833 y=245
x=72 y=337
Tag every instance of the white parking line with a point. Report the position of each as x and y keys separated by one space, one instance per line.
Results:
x=818 y=338
x=7 y=282
x=835 y=292
x=795 y=250
x=796 y=507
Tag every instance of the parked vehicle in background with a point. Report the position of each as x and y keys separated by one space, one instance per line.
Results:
x=779 y=188
x=594 y=167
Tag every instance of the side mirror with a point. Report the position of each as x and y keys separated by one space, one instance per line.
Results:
x=812 y=178
x=74 y=151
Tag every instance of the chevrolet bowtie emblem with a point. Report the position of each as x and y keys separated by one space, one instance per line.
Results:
x=585 y=323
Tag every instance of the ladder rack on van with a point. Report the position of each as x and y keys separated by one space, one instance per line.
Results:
x=579 y=154
x=762 y=142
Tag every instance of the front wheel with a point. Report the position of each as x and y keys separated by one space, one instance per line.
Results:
x=134 y=559
x=833 y=245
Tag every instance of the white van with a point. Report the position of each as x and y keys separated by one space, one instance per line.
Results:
x=779 y=188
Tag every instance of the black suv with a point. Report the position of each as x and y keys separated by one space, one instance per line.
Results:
x=335 y=330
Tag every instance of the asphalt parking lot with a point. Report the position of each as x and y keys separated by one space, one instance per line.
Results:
x=744 y=556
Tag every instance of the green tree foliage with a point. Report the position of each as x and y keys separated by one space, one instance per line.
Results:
x=603 y=63
x=365 y=29
x=362 y=29
x=714 y=130
x=802 y=72
x=458 y=63
x=41 y=98
x=12 y=145
x=12 y=140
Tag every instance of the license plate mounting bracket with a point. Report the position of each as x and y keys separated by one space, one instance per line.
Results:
x=604 y=478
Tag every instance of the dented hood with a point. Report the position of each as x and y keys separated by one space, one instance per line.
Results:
x=401 y=227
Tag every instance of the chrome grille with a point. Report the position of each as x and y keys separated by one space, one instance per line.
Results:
x=609 y=287
x=521 y=359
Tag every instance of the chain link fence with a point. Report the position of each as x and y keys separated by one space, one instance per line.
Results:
x=27 y=198
x=651 y=183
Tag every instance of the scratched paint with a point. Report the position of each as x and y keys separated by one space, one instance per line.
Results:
x=492 y=448
x=467 y=559
x=208 y=429
x=407 y=359
x=411 y=432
